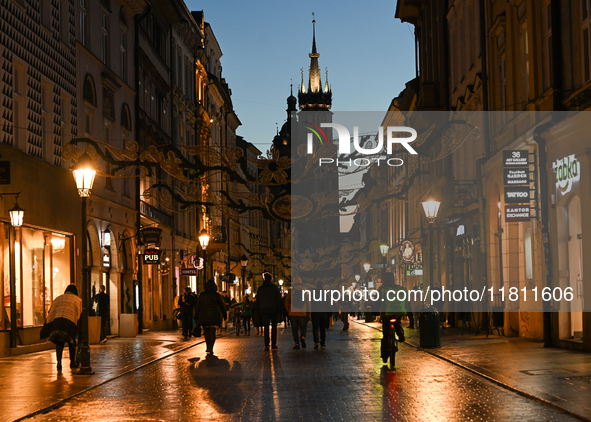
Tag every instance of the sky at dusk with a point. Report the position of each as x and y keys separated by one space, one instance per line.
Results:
x=369 y=55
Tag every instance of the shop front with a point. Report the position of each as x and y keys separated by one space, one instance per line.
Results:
x=43 y=269
x=569 y=195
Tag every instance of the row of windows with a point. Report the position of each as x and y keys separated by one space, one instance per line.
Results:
x=105 y=53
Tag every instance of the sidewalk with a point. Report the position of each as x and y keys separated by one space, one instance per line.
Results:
x=22 y=396
x=556 y=376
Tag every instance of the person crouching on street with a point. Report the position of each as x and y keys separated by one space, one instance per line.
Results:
x=62 y=324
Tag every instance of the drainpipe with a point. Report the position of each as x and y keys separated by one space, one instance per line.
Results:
x=545 y=220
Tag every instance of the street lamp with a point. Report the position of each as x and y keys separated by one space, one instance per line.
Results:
x=281 y=284
x=431 y=208
x=366 y=267
x=384 y=248
x=203 y=242
x=16 y=215
x=84 y=173
x=203 y=239
x=357 y=277
x=244 y=263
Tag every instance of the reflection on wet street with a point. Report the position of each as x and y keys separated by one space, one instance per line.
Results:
x=346 y=381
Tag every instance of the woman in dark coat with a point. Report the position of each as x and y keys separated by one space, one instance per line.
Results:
x=62 y=324
x=210 y=311
x=256 y=316
x=247 y=308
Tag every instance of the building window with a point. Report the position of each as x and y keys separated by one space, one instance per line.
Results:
x=548 y=45
x=108 y=180
x=89 y=92
x=125 y=118
x=84 y=34
x=123 y=45
x=105 y=39
x=123 y=53
x=88 y=116
x=525 y=64
x=502 y=83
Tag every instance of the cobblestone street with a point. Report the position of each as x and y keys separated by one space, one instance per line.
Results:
x=346 y=381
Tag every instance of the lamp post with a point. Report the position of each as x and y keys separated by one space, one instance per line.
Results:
x=384 y=248
x=243 y=263
x=84 y=173
x=281 y=285
x=431 y=208
x=16 y=220
x=203 y=242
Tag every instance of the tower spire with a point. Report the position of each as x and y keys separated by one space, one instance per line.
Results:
x=314 y=83
x=317 y=97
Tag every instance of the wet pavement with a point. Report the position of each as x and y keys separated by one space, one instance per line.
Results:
x=346 y=381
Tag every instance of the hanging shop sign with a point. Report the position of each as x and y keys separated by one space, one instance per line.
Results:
x=151 y=257
x=516 y=176
x=407 y=251
x=187 y=272
x=515 y=158
x=197 y=262
x=517 y=213
x=152 y=236
x=516 y=194
x=414 y=269
x=568 y=171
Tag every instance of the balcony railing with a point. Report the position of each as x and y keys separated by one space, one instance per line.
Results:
x=460 y=193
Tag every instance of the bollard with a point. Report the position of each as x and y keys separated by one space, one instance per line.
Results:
x=430 y=336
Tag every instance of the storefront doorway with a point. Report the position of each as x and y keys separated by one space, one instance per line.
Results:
x=571 y=270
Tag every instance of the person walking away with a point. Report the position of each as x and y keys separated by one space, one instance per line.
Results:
x=102 y=309
x=247 y=308
x=63 y=323
x=269 y=304
x=391 y=308
x=211 y=312
x=297 y=311
x=228 y=304
x=256 y=315
x=287 y=321
x=415 y=307
x=319 y=320
x=187 y=303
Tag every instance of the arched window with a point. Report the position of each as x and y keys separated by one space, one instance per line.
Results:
x=89 y=92
x=125 y=117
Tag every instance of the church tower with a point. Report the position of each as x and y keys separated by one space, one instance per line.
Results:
x=316 y=97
